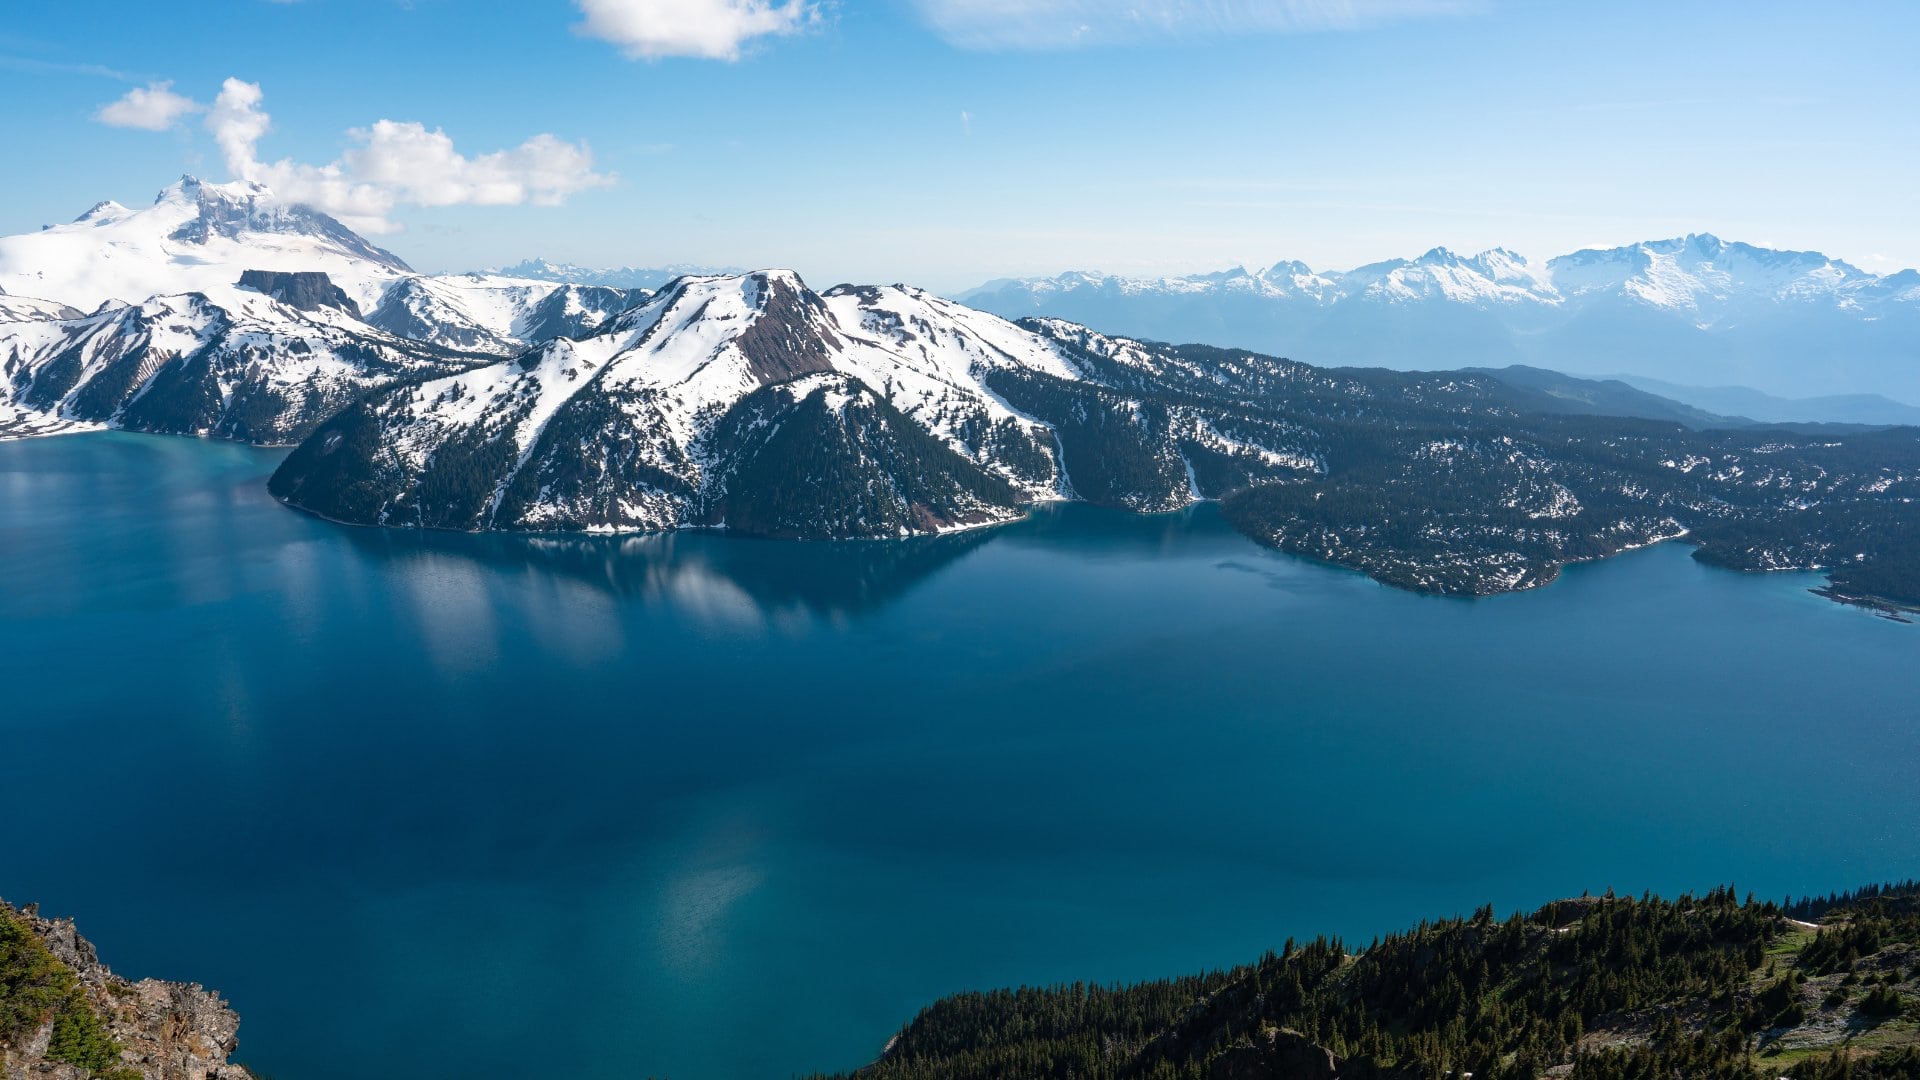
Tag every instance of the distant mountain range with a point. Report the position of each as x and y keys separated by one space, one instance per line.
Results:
x=1695 y=310
x=619 y=277
x=1768 y=409
x=753 y=403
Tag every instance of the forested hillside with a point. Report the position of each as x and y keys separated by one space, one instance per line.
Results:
x=1598 y=988
x=1459 y=483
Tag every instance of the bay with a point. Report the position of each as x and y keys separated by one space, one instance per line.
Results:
x=699 y=806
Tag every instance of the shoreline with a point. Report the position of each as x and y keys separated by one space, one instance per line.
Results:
x=1884 y=607
x=1890 y=610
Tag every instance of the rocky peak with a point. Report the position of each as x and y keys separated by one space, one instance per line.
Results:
x=235 y=209
x=792 y=333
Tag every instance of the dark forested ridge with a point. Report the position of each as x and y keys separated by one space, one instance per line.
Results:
x=1598 y=988
x=1459 y=483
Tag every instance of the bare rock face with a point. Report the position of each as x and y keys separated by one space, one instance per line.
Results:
x=306 y=290
x=166 y=1030
x=1284 y=1055
x=1289 y=1055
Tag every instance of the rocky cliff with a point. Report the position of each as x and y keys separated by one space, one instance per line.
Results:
x=65 y=1016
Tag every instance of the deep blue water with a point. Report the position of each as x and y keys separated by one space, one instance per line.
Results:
x=694 y=806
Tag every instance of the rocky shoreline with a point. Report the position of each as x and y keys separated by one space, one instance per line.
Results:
x=160 y=1030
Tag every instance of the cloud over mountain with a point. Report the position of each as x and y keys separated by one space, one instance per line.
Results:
x=398 y=163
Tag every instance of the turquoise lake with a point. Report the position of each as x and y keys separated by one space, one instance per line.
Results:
x=701 y=807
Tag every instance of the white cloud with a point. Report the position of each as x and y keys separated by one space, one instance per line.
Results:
x=1065 y=24
x=398 y=162
x=707 y=29
x=421 y=167
x=237 y=123
x=154 y=107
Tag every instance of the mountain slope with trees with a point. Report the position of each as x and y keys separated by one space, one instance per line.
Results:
x=1599 y=988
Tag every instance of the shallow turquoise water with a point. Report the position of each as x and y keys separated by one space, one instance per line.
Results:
x=698 y=807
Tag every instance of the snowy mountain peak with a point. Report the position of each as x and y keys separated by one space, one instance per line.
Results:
x=1288 y=268
x=106 y=208
x=1715 y=280
x=1705 y=245
x=1238 y=273
x=191 y=189
x=775 y=278
x=196 y=237
x=233 y=210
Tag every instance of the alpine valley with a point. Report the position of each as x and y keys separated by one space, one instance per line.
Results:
x=754 y=403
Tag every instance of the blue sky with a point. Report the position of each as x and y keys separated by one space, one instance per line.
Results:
x=946 y=142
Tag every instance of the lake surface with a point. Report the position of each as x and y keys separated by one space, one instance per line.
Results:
x=691 y=806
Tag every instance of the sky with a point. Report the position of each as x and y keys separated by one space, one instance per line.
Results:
x=949 y=142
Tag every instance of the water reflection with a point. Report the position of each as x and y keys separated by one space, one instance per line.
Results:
x=716 y=578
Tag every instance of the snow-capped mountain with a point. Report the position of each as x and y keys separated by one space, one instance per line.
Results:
x=1693 y=309
x=196 y=237
x=1712 y=278
x=753 y=403
x=650 y=278
x=254 y=369
x=1490 y=279
x=691 y=410
x=201 y=237
x=221 y=310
